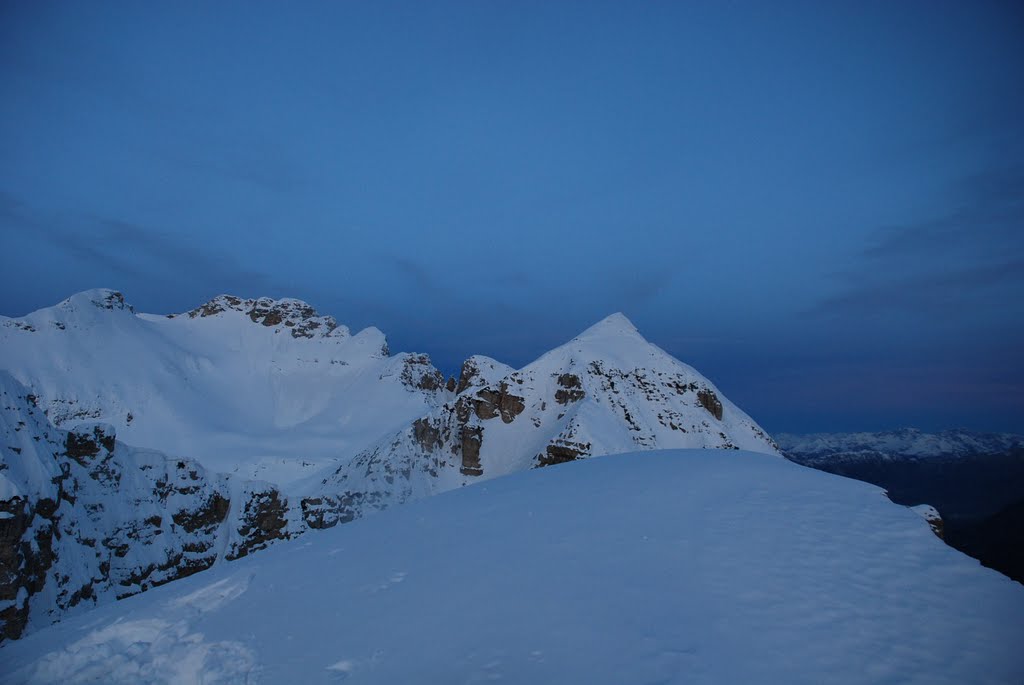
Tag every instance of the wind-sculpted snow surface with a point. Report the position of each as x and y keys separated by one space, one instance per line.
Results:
x=668 y=567
x=262 y=388
x=606 y=391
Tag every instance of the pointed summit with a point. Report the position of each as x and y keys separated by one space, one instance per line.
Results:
x=615 y=325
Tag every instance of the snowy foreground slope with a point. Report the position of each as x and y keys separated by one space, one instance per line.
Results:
x=692 y=566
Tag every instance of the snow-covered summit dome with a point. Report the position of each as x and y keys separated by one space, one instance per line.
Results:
x=96 y=298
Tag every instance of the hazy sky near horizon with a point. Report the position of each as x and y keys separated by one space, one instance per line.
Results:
x=818 y=205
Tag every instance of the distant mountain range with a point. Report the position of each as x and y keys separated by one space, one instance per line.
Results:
x=903 y=444
x=139 y=448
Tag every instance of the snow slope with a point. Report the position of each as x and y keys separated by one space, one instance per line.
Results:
x=667 y=567
x=263 y=388
x=606 y=391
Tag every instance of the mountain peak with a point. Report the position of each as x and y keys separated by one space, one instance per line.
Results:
x=615 y=325
x=100 y=298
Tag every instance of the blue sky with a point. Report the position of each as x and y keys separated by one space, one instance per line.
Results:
x=818 y=205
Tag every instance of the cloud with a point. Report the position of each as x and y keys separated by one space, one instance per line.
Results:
x=131 y=251
x=641 y=285
x=971 y=256
x=989 y=219
x=932 y=293
x=419 y=275
x=253 y=162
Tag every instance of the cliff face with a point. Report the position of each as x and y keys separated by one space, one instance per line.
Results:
x=85 y=519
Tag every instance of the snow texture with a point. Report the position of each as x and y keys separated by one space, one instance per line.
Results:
x=681 y=566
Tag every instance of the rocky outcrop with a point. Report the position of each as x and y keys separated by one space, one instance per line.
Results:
x=570 y=389
x=500 y=401
x=562 y=451
x=469 y=445
x=479 y=371
x=934 y=519
x=419 y=373
x=299 y=318
x=263 y=520
x=112 y=300
x=85 y=519
x=709 y=400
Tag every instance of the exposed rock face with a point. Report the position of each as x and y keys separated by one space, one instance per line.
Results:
x=709 y=400
x=263 y=520
x=500 y=402
x=569 y=389
x=472 y=437
x=479 y=371
x=113 y=300
x=302 y=320
x=329 y=511
x=419 y=373
x=426 y=434
x=84 y=519
x=562 y=451
x=932 y=516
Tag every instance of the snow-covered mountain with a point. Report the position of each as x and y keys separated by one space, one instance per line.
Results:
x=263 y=388
x=606 y=391
x=692 y=567
x=85 y=519
x=92 y=508
x=903 y=444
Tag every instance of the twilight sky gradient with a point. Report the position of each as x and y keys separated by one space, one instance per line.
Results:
x=819 y=205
